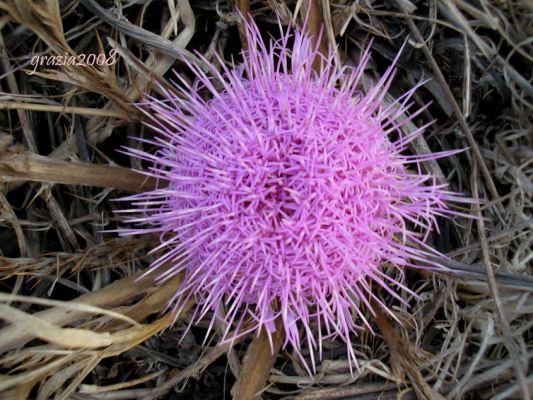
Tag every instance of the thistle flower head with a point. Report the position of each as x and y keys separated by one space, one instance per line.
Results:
x=286 y=192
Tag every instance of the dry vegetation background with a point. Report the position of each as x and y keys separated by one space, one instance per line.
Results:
x=76 y=324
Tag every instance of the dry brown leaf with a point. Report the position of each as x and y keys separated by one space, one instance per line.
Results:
x=43 y=17
x=65 y=337
x=68 y=305
x=258 y=362
x=119 y=293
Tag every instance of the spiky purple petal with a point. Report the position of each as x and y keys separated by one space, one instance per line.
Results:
x=286 y=193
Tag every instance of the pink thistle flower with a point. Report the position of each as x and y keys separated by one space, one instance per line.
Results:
x=286 y=194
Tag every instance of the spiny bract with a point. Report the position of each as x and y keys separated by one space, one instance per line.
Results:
x=285 y=192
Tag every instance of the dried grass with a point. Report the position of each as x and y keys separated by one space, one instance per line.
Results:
x=76 y=322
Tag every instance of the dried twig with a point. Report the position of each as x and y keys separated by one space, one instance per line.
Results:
x=244 y=8
x=311 y=13
x=405 y=357
x=351 y=391
x=148 y=38
x=18 y=165
x=456 y=109
x=8 y=105
x=521 y=371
